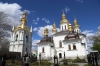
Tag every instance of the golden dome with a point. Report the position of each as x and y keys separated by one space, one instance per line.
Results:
x=54 y=28
x=45 y=31
x=20 y=27
x=64 y=20
x=70 y=28
x=76 y=24
x=23 y=23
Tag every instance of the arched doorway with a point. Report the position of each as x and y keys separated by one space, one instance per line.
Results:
x=60 y=55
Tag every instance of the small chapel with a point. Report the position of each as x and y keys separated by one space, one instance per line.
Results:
x=69 y=40
x=21 y=38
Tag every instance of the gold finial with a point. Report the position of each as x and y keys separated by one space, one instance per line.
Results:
x=46 y=32
x=63 y=11
x=24 y=19
x=76 y=23
x=70 y=28
x=63 y=15
x=54 y=28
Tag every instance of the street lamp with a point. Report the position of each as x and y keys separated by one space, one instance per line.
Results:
x=65 y=61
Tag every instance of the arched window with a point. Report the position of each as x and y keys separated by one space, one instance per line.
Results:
x=74 y=47
x=65 y=26
x=60 y=44
x=26 y=38
x=43 y=49
x=16 y=37
x=62 y=27
x=69 y=47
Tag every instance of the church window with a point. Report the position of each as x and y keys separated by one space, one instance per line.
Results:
x=62 y=27
x=16 y=37
x=69 y=47
x=43 y=49
x=74 y=47
x=60 y=44
x=26 y=38
x=65 y=26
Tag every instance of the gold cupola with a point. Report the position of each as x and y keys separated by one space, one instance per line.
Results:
x=54 y=28
x=23 y=23
x=45 y=32
x=70 y=28
x=76 y=24
x=64 y=20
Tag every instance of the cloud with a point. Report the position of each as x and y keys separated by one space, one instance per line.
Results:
x=67 y=9
x=35 y=29
x=40 y=30
x=27 y=11
x=34 y=42
x=88 y=33
x=36 y=21
x=46 y=20
x=81 y=1
x=14 y=12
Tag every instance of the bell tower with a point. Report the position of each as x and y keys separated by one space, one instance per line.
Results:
x=21 y=37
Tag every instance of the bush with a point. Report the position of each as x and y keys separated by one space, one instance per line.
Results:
x=43 y=63
x=87 y=65
x=78 y=60
x=73 y=65
x=68 y=60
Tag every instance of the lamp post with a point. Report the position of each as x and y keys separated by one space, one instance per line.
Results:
x=65 y=61
x=39 y=59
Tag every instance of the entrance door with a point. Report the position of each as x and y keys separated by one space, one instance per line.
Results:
x=60 y=55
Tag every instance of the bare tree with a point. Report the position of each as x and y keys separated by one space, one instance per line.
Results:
x=5 y=30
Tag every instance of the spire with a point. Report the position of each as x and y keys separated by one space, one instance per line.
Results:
x=45 y=32
x=54 y=28
x=70 y=28
x=31 y=29
x=76 y=23
x=13 y=28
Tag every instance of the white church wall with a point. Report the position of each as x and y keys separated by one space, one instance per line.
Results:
x=57 y=39
x=74 y=53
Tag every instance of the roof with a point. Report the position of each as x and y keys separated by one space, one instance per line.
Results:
x=65 y=33
x=46 y=39
x=72 y=39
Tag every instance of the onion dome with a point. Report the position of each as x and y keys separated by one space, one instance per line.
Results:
x=54 y=28
x=76 y=24
x=46 y=38
x=64 y=20
x=23 y=23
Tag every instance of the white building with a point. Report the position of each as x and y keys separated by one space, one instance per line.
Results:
x=69 y=40
x=21 y=39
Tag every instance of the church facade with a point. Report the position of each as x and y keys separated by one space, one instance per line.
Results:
x=69 y=40
x=21 y=38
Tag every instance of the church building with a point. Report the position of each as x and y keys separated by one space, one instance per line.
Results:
x=69 y=40
x=21 y=38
